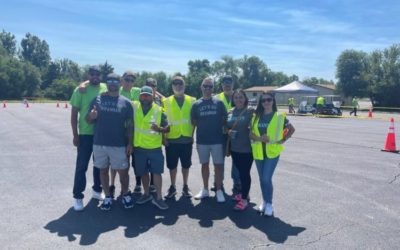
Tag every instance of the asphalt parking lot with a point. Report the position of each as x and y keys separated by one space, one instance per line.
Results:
x=334 y=189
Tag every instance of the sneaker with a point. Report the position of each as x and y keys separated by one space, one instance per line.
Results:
x=171 y=192
x=78 y=205
x=238 y=198
x=269 y=210
x=137 y=190
x=261 y=208
x=98 y=195
x=143 y=199
x=202 y=194
x=186 y=192
x=160 y=204
x=127 y=201
x=152 y=189
x=241 y=205
x=214 y=188
x=220 y=196
x=112 y=191
x=106 y=205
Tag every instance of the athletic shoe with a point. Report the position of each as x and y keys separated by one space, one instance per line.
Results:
x=78 y=205
x=202 y=194
x=112 y=191
x=241 y=205
x=214 y=188
x=171 y=192
x=269 y=210
x=220 y=196
x=138 y=189
x=238 y=198
x=160 y=204
x=127 y=201
x=186 y=192
x=152 y=189
x=261 y=208
x=106 y=205
x=143 y=199
x=98 y=195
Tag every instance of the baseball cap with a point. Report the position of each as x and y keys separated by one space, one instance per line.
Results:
x=227 y=79
x=146 y=90
x=129 y=73
x=113 y=78
x=152 y=81
x=94 y=68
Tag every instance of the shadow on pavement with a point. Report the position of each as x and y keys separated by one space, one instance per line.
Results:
x=93 y=222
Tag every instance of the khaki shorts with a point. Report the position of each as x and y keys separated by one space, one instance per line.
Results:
x=104 y=156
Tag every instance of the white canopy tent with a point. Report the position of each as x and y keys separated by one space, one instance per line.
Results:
x=294 y=89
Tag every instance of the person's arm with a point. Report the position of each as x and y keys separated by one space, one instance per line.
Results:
x=129 y=129
x=92 y=112
x=83 y=85
x=289 y=133
x=74 y=125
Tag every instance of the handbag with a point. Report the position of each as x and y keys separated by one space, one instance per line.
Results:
x=228 y=140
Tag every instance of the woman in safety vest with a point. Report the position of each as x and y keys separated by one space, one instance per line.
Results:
x=267 y=135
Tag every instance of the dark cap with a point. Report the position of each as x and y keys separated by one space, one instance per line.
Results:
x=129 y=73
x=113 y=79
x=94 y=68
x=151 y=81
x=146 y=90
x=227 y=79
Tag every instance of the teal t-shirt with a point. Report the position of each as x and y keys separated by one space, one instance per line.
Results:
x=82 y=102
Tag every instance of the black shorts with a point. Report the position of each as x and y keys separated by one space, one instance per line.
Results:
x=176 y=151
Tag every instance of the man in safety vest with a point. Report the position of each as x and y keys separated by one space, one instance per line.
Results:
x=150 y=123
x=320 y=103
x=355 y=105
x=291 y=103
x=226 y=98
x=178 y=142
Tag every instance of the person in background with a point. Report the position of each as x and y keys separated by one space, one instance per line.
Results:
x=355 y=105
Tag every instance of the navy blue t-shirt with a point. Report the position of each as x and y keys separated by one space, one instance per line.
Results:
x=210 y=116
x=112 y=115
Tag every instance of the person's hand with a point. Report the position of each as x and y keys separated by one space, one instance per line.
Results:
x=264 y=138
x=93 y=113
x=230 y=132
x=155 y=127
x=75 y=141
x=83 y=86
x=129 y=150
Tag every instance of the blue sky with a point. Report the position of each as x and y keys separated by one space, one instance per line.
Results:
x=296 y=37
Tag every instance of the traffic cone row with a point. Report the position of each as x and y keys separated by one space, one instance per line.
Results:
x=390 y=145
x=370 y=112
x=66 y=105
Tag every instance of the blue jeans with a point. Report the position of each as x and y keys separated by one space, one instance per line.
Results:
x=265 y=170
x=235 y=174
x=84 y=151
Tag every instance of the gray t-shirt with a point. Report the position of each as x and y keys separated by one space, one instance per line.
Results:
x=265 y=119
x=182 y=139
x=112 y=115
x=210 y=116
x=241 y=142
x=164 y=123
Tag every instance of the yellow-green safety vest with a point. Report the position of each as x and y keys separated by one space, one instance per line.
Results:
x=179 y=118
x=222 y=97
x=275 y=134
x=144 y=136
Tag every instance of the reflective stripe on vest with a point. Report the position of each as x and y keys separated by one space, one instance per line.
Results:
x=275 y=134
x=179 y=117
x=222 y=97
x=144 y=136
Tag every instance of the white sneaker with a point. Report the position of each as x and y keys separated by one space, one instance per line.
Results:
x=220 y=196
x=202 y=194
x=261 y=208
x=78 y=205
x=269 y=210
x=98 y=195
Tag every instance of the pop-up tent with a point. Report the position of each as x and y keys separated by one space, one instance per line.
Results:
x=295 y=87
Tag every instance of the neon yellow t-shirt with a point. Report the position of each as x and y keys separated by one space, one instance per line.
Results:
x=82 y=101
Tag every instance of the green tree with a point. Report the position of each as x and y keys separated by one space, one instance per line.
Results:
x=60 y=89
x=106 y=69
x=35 y=51
x=351 y=70
x=254 y=72
x=198 y=70
x=8 y=42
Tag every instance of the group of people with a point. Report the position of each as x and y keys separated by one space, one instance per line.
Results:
x=122 y=125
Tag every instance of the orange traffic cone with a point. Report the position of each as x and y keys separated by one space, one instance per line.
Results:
x=370 y=112
x=66 y=105
x=4 y=104
x=58 y=105
x=390 y=145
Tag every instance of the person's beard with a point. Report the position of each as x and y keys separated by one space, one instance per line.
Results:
x=113 y=88
x=95 y=81
x=145 y=103
x=178 y=91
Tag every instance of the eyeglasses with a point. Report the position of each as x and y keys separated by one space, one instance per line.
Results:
x=266 y=100
x=208 y=86
x=129 y=79
x=112 y=81
x=177 y=83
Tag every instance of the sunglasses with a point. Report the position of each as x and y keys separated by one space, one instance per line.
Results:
x=177 y=83
x=208 y=86
x=129 y=79
x=266 y=100
x=112 y=81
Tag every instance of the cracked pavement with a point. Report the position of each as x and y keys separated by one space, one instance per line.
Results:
x=333 y=189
